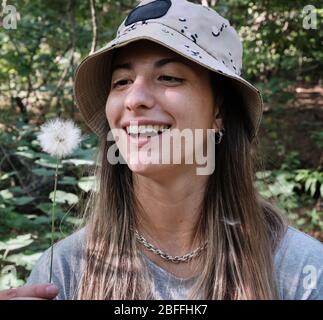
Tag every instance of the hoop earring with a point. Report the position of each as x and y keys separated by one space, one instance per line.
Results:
x=220 y=135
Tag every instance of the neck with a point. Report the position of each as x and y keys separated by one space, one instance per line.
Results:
x=171 y=210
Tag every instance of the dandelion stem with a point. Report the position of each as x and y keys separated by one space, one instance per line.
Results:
x=53 y=223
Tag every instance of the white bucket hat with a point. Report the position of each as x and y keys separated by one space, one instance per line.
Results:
x=194 y=31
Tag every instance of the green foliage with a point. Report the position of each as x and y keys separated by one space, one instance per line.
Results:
x=296 y=192
x=312 y=180
x=315 y=219
x=15 y=243
x=86 y=183
x=275 y=42
x=64 y=197
x=317 y=136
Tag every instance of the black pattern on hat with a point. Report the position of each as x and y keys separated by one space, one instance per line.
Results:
x=218 y=31
x=151 y=10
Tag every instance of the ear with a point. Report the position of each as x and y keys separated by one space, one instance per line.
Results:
x=217 y=123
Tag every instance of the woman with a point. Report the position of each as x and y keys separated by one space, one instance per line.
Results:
x=163 y=231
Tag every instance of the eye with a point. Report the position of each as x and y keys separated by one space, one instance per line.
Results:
x=171 y=79
x=120 y=82
x=167 y=78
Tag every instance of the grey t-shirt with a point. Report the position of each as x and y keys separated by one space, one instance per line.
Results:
x=298 y=269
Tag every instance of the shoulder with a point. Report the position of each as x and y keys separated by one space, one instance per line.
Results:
x=72 y=245
x=299 y=266
x=67 y=264
x=70 y=249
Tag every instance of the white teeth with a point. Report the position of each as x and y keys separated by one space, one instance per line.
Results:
x=132 y=130
x=147 y=129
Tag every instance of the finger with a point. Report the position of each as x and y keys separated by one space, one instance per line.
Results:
x=8 y=294
x=27 y=298
x=45 y=291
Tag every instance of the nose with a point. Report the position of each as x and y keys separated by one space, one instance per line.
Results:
x=140 y=96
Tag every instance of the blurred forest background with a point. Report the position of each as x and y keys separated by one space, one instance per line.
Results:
x=282 y=56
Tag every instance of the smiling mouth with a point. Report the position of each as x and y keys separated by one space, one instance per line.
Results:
x=146 y=131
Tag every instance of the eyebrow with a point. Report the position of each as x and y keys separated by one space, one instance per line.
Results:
x=158 y=64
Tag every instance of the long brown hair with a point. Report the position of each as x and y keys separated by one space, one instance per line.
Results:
x=242 y=229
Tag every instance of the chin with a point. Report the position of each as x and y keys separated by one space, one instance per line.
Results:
x=155 y=172
x=142 y=164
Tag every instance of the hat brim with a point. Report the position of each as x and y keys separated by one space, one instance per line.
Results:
x=91 y=83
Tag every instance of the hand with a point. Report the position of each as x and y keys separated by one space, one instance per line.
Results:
x=45 y=291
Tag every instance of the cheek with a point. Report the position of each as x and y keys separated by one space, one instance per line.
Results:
x=193 y=108
x=179 y=106
x=204 y=111
x=196 y=113
x=112 y=112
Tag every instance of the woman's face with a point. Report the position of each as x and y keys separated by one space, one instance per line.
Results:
x=153 y=86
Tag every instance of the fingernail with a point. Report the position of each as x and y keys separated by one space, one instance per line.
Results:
x=52 y=289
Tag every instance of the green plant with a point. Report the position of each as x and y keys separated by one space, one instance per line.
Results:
x=312 y=180
x=317 y=136
x=294 y=192
x=315 y=219
x=26 y=182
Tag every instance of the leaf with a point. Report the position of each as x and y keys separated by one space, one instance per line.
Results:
x=16 y=243
x=43 y=172
x=75 y=221
x=310 y=184
x=6 y=194
x=31 y=216
x=48 y=163
x=27 y=154
x=6 y=209
x=16 y=189
x=90 y=141
x=24 y=260
x=7 y=175
x=64 y=197
x=263 y=174
x=21 y=201
x=79 y=162
x=68 y=180
x=302 y=174
x=42 y=220
x=86 y=183
x=13 y=220
x=313 y=187
x=301 y=221
x=281 y=187
x=46 y=207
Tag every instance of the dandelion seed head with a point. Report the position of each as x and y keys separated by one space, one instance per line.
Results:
x=59 y=137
